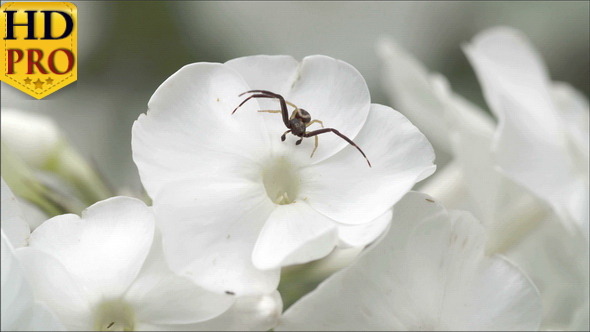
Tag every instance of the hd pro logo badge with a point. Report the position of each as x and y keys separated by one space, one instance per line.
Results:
x=40 y=48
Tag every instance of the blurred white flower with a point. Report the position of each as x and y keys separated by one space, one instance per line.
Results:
x=37 y=140
x=104 y=271
x=413 y=91
x=34 y=137
x=429 y=272
x=519 y=225
x=539 y=143
x=232 y=199
x=20 y=311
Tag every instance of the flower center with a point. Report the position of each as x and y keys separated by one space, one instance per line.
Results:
x=281 y=181
x=114 y=315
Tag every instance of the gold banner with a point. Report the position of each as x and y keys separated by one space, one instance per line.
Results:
x=40 y=50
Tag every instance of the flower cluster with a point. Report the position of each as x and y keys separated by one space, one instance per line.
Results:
x=263 y=169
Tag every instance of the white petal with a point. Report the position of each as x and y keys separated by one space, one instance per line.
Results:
x=34 y=137
x=209 y=229
x=334 y=92
x=33 y=215
x=347 y=190
x=161 y=297
x=249 y=313
x=574 y=109
x=189 y=128
x=54 y=286
x=364 y=234
x=252 y=313
x=504 y=207
x=330 y=90
x=557 y=261
x=105 y=248
x=492 y=294
x=293 y=234
x=275 y=73
x=13 y=222
x=17 y=298
x=448 y=186
x=41 y=319
x=411 y=92
x=531 y=142
x=20 y=311
x=428 y=273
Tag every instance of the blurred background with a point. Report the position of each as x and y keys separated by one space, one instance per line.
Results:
x=127 y=49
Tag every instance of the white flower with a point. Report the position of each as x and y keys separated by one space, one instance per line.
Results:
x=428 y=273
x=540 y=143
x=104 y=271
x=470 y=180
x=37 y=140
x=20 y=310
x=34 y=137
x=232 y=199
x=519 y=224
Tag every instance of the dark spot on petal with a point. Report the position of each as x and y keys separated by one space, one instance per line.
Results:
x=229 y=292
x=429 y=200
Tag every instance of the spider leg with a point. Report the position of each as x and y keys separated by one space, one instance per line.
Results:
x=268 y=94
x=327 y=130
x=284 y=135
x=252 y=96
x=259 y=91
x=315 y=146
x=315 y=121
x=269 y=111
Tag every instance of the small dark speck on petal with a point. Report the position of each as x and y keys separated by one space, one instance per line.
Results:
x=429 y=200
x=229 y=292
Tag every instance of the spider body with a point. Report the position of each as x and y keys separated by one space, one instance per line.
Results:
x=298 y=122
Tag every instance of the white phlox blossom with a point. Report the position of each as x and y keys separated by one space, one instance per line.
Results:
x=542 y=136
x=231 y=198
x=33 y=137
x=105 y=271
x=541 y=143
x=20 y=310
x=429 y=272
x=519 y=223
